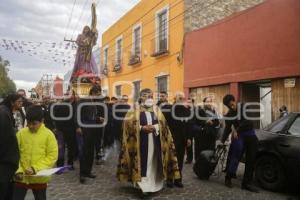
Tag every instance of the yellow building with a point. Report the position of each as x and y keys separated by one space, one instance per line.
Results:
x=144 y=50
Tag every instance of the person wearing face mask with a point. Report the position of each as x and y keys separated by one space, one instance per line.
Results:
x=147 y=157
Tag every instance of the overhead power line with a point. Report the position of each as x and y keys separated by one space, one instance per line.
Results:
x=136 y=21
x=70 y=18
x=83 y=7
x=187 y=10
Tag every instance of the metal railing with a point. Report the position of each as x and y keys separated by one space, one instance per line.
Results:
x=134 y=57
x=160 y=45
x=117 y=65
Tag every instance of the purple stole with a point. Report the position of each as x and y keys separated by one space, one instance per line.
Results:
x=144 y=143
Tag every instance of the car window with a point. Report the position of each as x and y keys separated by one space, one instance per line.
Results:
x=295 y=128
x=277 y=126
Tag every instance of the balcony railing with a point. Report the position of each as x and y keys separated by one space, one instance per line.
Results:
x=134 y=58
x=160 y=46
x=117 y=65
x=104 y=70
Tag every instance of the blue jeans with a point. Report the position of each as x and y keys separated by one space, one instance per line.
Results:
x=234 y=156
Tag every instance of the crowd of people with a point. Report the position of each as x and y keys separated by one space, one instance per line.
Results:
x=153 y=139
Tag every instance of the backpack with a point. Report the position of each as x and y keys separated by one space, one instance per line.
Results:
x=207 y=162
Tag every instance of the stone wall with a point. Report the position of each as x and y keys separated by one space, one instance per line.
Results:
x=200 y=13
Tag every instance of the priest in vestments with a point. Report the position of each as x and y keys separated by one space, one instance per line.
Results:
x=148 y=155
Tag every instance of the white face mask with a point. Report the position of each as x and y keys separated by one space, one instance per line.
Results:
x=149 y=103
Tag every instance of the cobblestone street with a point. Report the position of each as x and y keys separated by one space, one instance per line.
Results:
x=105 y=186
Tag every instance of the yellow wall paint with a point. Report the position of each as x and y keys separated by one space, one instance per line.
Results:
x=144 y=13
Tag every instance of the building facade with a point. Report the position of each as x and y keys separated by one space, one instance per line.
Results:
x=253 y=54
x=67 y=78
x=58 y=87
x=144 y=50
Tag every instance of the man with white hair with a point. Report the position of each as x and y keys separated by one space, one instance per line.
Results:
x=178 y=124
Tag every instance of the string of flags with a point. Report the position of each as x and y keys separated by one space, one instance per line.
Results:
x=59 y=52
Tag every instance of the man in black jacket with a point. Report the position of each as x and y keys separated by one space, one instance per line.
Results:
x=66 y=129
x=195 y=129
x=164 y=105
x=178 y=124
x=243 y=140
x=119 y=112
x=9 y=152
x=108 y=137
x=46 y=106
x=99 y=145
x=90 y=119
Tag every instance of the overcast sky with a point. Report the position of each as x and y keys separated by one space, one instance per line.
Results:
x=46 y=21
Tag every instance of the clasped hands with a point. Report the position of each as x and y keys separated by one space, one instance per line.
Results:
x=148 y=128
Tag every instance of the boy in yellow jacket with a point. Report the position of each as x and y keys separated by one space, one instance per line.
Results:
x=38 y=151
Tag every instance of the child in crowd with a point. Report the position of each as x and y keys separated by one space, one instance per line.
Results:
x=38 y=151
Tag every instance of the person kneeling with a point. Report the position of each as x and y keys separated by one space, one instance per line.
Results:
x=38 y=151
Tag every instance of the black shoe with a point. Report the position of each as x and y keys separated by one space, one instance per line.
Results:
x=89 y=175
x=71 y=168
x=250 y=188
x=170 y=184
x=82 y=180
x=178 y=184
x=228 y=182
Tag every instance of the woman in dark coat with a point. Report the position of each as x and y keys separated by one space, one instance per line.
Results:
x=9 y=152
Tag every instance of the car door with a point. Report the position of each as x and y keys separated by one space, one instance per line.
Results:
x=289 y=146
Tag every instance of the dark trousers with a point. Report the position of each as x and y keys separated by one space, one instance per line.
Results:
x=247 y=145
x=250 y=148
x=190 y=152
x=87 y=157
x=99 y=144
x=197 y=147
x=197 y=131
x=20 y=193
x=235 y=154
x=69 y=141
x=180 y=151
x=6 y=190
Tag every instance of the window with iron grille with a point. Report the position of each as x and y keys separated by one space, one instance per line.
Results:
x=105 y=57
x=162 y=38
x=137 y=88
x=162 y=84
x=137 y=41
x=119 y=52
x=118 y=91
